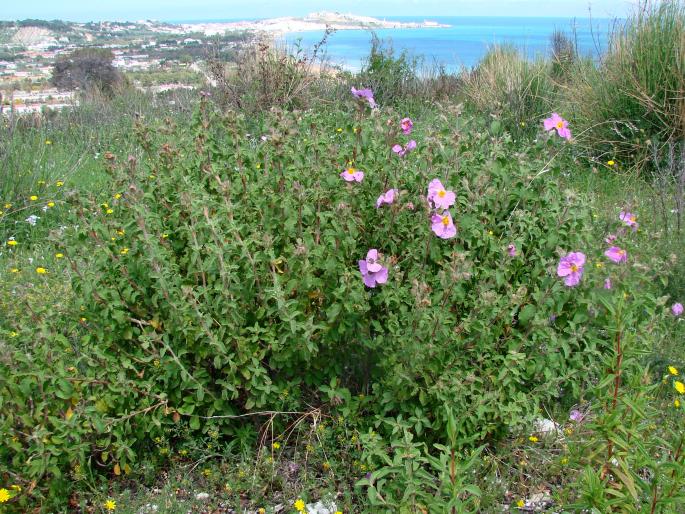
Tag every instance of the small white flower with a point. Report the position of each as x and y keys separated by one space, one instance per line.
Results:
x=45 y=208
x=31 y=220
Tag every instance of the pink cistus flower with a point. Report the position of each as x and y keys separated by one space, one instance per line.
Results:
x=677 y=309
x=365 y=94
x=441 y=198
x=629 y=219
x=352 y=175
x=404 y=150
x=511 y=250
x=607 y=283
x=556 y=122
x=576 y=415
x=610 y=238
x=571 y=268
x=373 y=273
x=443 y=226
x=616 y=254
x=386 y=198
x=406 y=125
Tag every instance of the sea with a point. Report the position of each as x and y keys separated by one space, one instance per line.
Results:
x=464 y=43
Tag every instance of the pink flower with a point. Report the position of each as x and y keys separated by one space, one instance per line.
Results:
x=406 y=124
x=556 y=122
x=576 y=416
x=352 y=175
x=443 y=226
x=629 y=219
x=386 y=198
x=677 y=309
x=372 y=271
x=571 y=268
x=616 y=255
x=365 y=94
x=607 y=283
x=610 y=238
x=404 y=150
x=441 y=198
x=511 y=250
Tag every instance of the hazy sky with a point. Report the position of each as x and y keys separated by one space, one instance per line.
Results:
x=85 y=10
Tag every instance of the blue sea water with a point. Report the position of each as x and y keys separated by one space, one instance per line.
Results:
x=465 y=42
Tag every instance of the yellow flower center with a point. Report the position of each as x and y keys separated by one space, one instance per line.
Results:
x=560 y=124
x=574 y=268
x=350 y=171
x=445 y=220
x=442 y=193
x=633 y=219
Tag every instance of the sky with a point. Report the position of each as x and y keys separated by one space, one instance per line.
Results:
x=165 y=10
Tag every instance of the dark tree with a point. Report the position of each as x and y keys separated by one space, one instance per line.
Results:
x=86 y=68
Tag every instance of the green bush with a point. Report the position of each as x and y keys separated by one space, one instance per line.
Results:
x=508 y=86
x=220 y=283
x=635 y=96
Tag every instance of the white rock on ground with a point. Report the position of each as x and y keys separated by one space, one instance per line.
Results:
x=202 y=496
x=546 y=427
x=321 y=508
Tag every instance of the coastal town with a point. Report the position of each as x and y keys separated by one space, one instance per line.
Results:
x=154 y=56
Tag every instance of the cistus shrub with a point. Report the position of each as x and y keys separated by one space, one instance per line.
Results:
x=231 y=261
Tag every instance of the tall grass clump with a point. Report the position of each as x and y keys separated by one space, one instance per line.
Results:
x=510 y=87
x=637 y=93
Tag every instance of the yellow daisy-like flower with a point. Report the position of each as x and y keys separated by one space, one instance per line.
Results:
x=4 y=495
x=121 y=232
x=14 y=270
x=33 y=198
x=610 y=163
x=276 y=446
x=338 y=130
x=676 y=403
x=12 y=242
x=41 y=182
x=117 y=196
x=1 y=213
x=338 y=512
x=564 y=461
x=599 y=265
x=13 y=334
x=679 y=386
x=110 y=505
x=59 y=183
x=59 y=256
x=490 y=232
x=261 y=510
x=109 y=211
x=51 y=204
x=8 y=206
x=124 y=251
x=520 y=504
x=48 y=142
x=673 y=370
x=299 y=505
x=533 y=439
x=41 y=271
x=165 y=236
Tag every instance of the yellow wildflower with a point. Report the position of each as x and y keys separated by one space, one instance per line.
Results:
x=16 y=487
x=13 y=334
x=599 y=265
x=48 y=142
x=679 y=386
x=564 y=461
x=8 y=205
x=299 y=505
x=338 y=130
x=41 y=182
x=117 y=196
x=673 y=370
x=15 y=270
x=261 y=510
x=533 y=439
x=676 y=403
x=165 y=236
x=4 y=495
x=124 y=251
x=51 y=204
x=276 y=446
x=110 y=505
x=520 y=504
x=109 y=211
x=59 y=183
x=490 y=232
x=59 y=255
x=12 y=242
x=33 y=198
x=610 y=162
x=121 y=232
x=41 y=271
